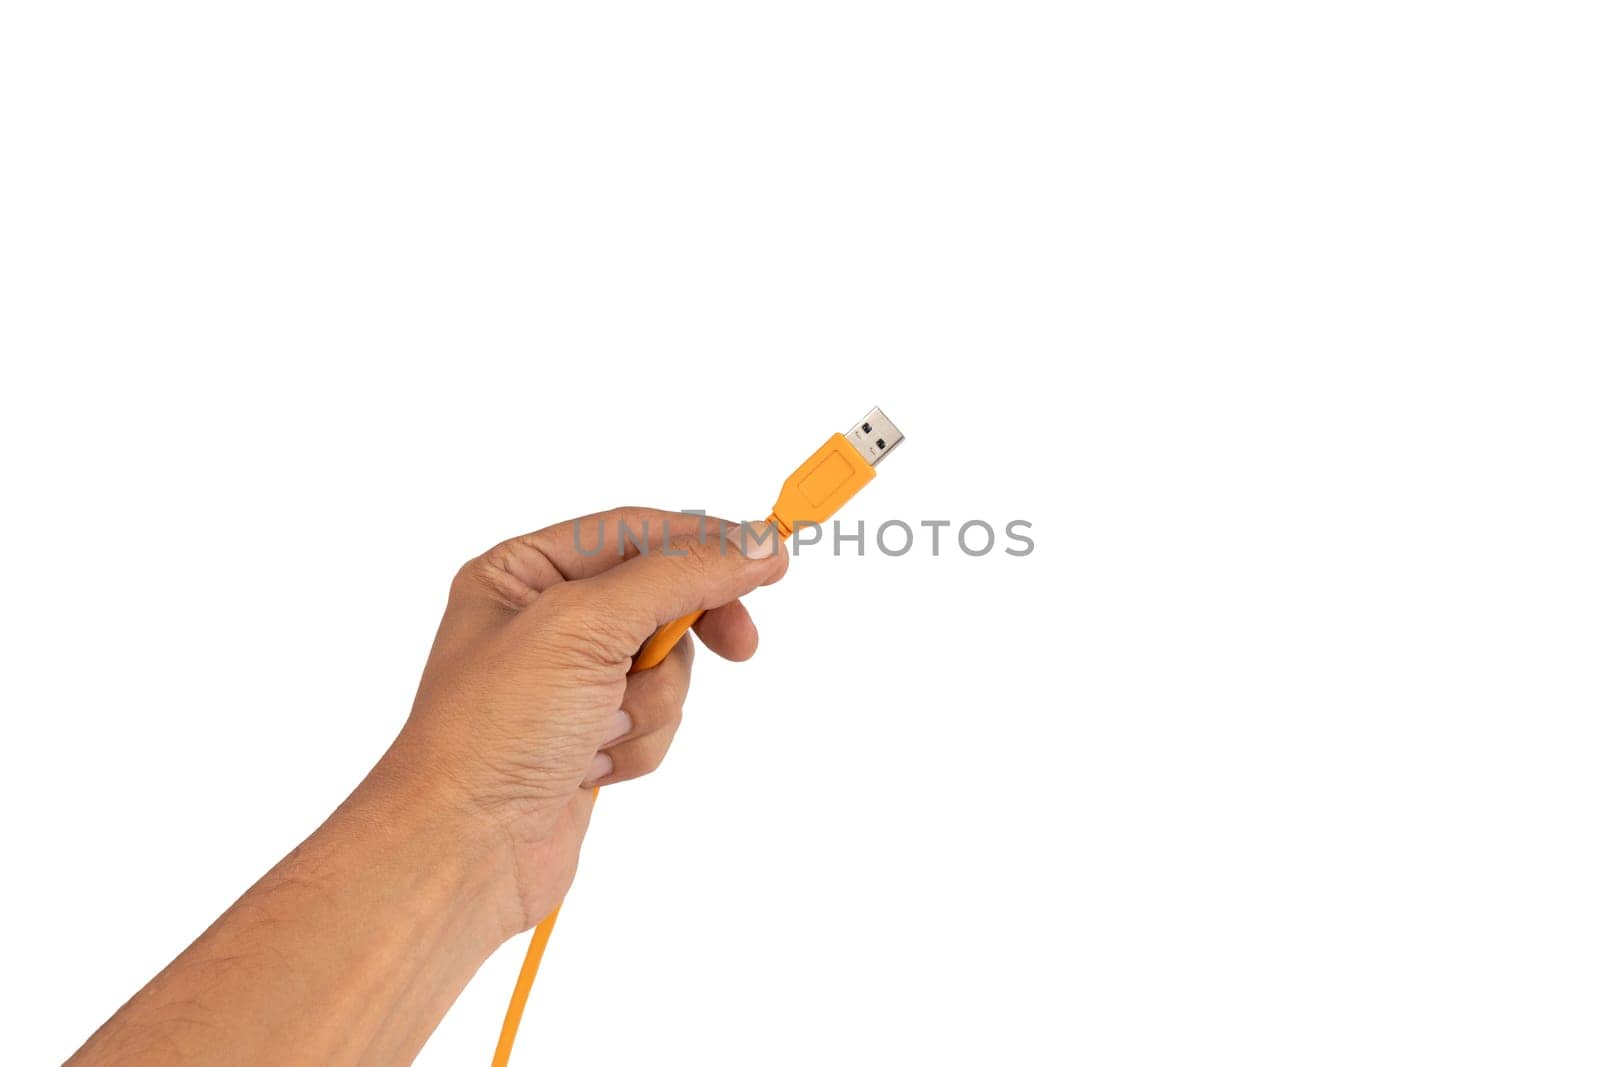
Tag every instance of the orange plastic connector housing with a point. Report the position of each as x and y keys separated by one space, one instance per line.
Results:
x=821 y=485
x=813 y=493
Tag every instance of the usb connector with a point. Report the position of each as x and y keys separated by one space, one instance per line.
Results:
x=810 y=495
x=818 y=487
x=874 y=436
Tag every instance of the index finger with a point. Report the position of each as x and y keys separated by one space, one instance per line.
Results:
x=584 y=547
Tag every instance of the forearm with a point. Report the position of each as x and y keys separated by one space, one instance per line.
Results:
x=348 y=951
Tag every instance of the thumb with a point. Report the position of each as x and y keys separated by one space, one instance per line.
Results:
x=688 y=574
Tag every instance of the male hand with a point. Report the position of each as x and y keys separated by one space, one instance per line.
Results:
x=526 y=703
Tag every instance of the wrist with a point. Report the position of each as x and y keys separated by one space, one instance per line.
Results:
x=427 y=820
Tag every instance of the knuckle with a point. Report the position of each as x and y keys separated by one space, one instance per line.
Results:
x=476 y=577
x=466 y=579
x=644 y=755
x=491 y=576
x=658 y=711
x=660 y=743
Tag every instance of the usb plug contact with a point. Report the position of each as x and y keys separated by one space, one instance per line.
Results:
x=874 y=436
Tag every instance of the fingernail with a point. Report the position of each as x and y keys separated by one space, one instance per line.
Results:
x=599 y=767
x=617 y=726
x=757 y=540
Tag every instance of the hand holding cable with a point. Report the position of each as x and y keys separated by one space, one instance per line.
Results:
x=527 y=701
x=351 y=948
x=467 y=831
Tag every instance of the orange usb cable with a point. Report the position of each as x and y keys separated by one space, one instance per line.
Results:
x=817 y=488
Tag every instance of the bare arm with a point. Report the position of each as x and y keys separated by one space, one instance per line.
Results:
x=351 y=949
x=348 y=951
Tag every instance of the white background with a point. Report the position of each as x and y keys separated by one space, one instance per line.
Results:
x=1278 y=321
